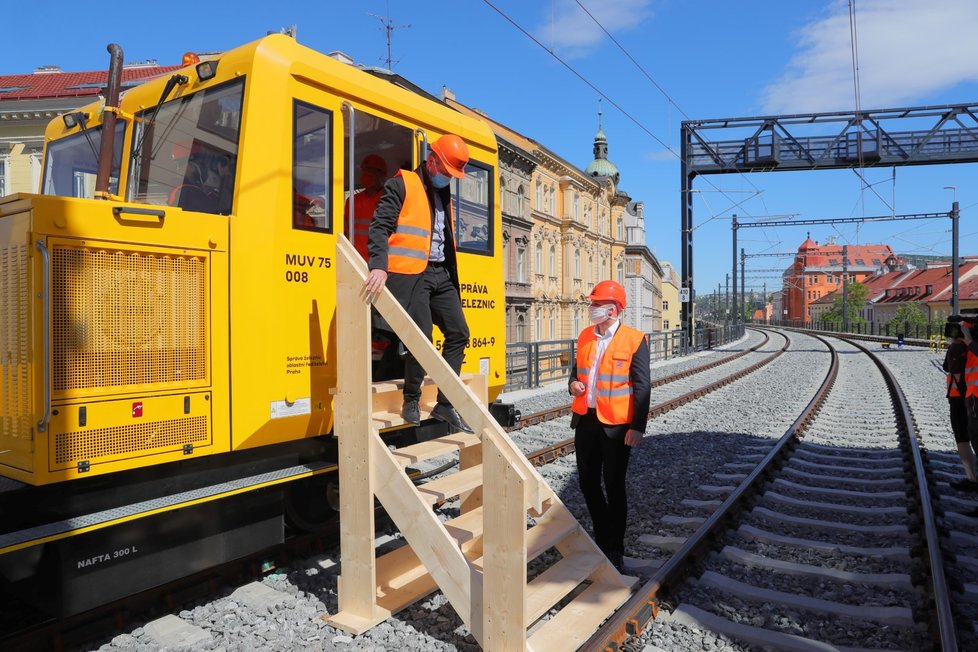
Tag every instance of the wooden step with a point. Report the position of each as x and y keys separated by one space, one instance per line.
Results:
x=452 y=485
x=551 y=529
x=435 y=448
x=575 y=623
x=403 y=579
x=551 y=586
x=466 y=527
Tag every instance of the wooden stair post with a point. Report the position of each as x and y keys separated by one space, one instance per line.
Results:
x=478 y=559
x=352 y=409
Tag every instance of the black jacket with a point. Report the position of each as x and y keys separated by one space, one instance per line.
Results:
x=640 y=378
x=385 y=221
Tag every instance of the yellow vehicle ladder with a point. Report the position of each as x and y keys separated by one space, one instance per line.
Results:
x=479 y=559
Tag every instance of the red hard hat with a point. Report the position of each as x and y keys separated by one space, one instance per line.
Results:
x=374 y=161
x=453 y=153
x=609 y=291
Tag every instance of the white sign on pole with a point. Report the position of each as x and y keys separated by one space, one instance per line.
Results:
x=684 y=295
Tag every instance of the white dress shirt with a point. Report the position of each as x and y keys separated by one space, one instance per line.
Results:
x=600 y=347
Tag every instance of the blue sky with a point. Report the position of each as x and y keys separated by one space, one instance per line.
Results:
x=714 y=59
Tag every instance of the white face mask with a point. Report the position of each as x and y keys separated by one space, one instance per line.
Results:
x=600 y=314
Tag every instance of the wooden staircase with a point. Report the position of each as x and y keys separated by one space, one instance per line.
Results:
x=478 y=559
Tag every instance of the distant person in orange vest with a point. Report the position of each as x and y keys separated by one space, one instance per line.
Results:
x=610 y=383
x=373 y=174
x=411 y=248
x=962 y=356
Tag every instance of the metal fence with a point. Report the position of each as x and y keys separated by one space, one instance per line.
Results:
x=879 y=329
x=533 y=364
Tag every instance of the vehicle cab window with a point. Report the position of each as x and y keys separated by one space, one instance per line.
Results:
x=187 y=154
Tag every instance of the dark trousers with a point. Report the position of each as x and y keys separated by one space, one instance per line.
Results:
x=971 y=407
x=597 y=455
x=435 y=301
x=959 y=418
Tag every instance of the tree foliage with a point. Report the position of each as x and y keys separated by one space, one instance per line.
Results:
x=856 y=301
x=909 y=313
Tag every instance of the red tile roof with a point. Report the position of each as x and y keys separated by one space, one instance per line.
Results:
x=824 y=255
x=45 y=85
x=967 y=287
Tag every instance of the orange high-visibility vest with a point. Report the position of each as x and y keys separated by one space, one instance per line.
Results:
x=364 y=206
x=613 y=399
x=971 y=374
x=410 y=244
x=952 y=387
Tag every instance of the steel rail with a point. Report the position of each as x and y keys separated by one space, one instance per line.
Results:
x=555 y=413
x=566 y=447
x=946 y=634
x=630 y=620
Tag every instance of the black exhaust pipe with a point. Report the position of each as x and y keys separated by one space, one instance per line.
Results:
x=107 y=145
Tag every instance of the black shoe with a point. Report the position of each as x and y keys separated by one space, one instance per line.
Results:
x=410 y=413
x=617 y=560
x=965 y=485
x=448 y=414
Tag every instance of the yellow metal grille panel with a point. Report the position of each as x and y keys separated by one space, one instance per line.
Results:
x=15 y=417
x=126 y=318
x=119 y=441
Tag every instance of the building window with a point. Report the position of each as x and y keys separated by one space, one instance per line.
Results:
x=538 y=197
x=553 y=324
x=3 y=177
x=577 y=207
x=553 y=261
x=577 y=320
x=520 y=264
x=520 y=201
x=621 y=229
x=539 y=325
x=521 y=328
x=551 y=198
x=665 y=324
x=665 y=306
x=538 y=262
x=621 y=273
x=590 y=269
x=577 y=263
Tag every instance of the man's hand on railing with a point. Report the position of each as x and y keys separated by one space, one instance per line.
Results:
x=376 y=280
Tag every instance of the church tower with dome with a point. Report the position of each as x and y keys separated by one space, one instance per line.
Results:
x=601 y=166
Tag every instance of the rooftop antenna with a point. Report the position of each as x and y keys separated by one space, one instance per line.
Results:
x=388 y=27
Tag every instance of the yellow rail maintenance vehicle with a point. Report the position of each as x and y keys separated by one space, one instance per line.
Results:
x=168 y=314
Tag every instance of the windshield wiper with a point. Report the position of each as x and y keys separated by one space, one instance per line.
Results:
x=82 y=118
x=171 y=83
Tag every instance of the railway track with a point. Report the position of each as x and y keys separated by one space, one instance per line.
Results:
x=21 y=634
x=814 y=543
x=550 y=414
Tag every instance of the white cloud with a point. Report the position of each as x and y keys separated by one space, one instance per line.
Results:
x=907 y=50
x=571 y=32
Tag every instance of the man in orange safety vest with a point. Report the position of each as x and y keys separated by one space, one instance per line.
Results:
x=411 y=246
x=610 y=383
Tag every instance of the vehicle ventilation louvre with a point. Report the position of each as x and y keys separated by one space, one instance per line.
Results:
x=89 y=445
x=122 y=318
x=15 y=416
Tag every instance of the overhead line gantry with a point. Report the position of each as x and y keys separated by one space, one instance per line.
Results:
x=925 y=135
